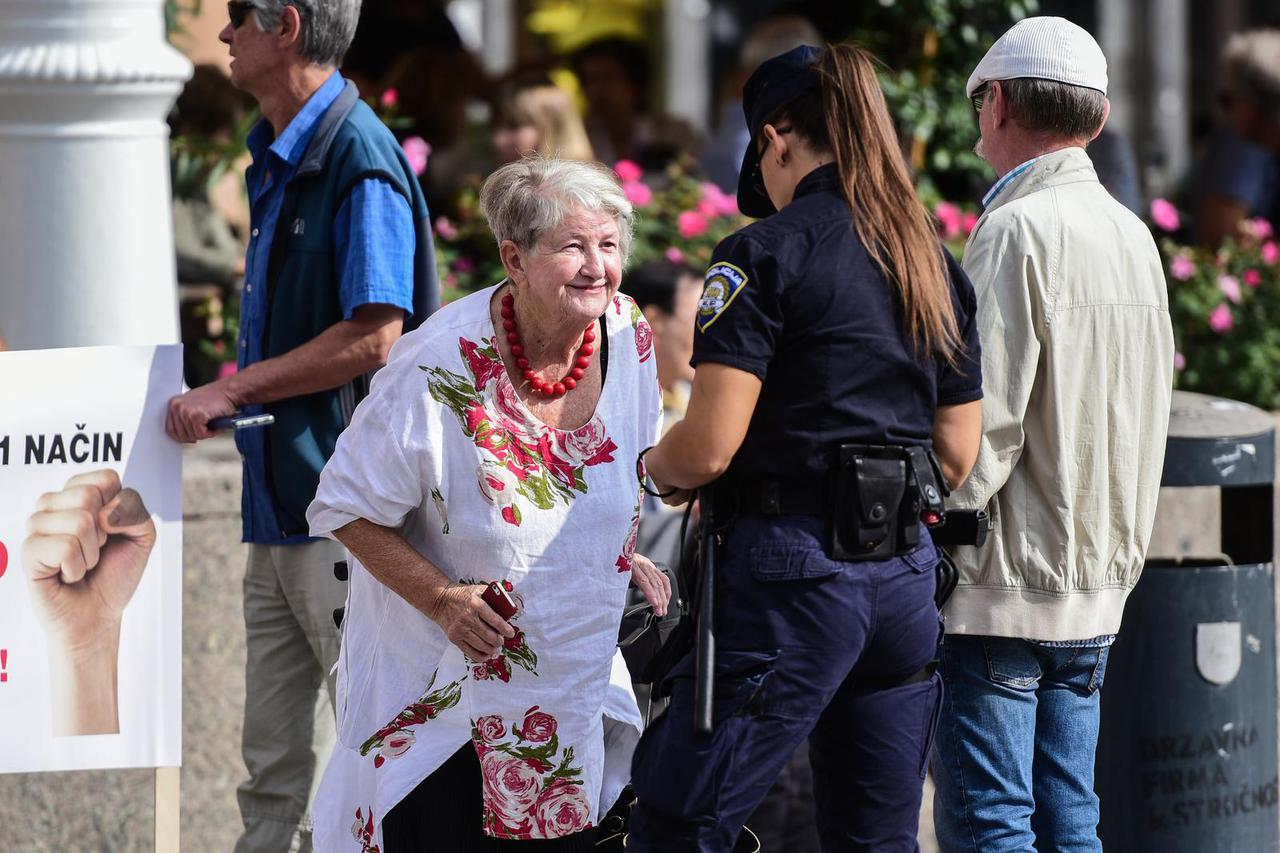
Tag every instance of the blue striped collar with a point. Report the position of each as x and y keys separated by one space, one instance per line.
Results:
x=1005 y=180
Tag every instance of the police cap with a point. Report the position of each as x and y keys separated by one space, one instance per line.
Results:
x=776 y=83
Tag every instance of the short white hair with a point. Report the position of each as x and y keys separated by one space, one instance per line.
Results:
x=525 y=200
x=1252 y=61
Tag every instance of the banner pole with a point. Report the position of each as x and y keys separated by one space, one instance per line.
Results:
x=168 y=809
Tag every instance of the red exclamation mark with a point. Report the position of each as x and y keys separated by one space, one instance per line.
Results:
x=4 y=662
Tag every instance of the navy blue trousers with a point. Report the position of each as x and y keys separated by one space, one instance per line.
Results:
x=807 y=647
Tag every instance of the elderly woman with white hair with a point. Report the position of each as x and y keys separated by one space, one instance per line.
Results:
x=490 y=472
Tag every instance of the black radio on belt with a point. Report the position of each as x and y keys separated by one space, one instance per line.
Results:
x=880 y=497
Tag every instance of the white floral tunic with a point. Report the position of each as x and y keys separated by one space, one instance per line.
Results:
x=444 y=451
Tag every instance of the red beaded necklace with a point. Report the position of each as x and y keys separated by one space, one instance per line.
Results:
x=540 y=385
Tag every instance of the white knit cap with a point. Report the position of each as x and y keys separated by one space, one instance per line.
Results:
x=1046 y=48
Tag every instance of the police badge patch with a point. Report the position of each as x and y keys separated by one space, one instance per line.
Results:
x=724 y=280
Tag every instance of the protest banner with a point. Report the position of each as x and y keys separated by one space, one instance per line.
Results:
x=90 y=560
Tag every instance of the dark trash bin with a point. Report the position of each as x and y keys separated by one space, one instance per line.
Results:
x=1187 y=750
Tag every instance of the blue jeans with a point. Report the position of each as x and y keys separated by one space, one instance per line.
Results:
x=1013 y=758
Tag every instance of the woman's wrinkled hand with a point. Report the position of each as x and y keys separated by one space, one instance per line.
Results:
x=652 y=582
x=470 y=623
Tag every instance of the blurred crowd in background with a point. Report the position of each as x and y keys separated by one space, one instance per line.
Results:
x=590 y=87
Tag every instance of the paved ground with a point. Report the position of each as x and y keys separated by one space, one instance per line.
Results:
x=113 y=810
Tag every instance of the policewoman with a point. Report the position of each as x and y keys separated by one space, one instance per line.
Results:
x=835 y=347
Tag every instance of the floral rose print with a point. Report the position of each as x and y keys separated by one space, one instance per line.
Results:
x=515 y=649
x=441 y=510
x=644 y=339
x=629 y=547
x=538 y=726
x=528 y=463
x=362 y=830
x=394 y=739
x=527 y=792
x=561 y=810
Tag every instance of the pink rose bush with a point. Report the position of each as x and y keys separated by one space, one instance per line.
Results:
x=531 y=787
x=1224 y=305
x=1165 y=215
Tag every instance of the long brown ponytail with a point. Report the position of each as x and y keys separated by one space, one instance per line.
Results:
x=849 y=117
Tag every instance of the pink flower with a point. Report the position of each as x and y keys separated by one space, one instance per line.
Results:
x=1261 y=228
x=719 y=201
x=691 y=223
x=538 y=726
x=1179 y=361
x=227 y=368
x=637 y=193
x=674 y=255
x=398 y=744
x=1164 y=215
x=1220 y=319
x=707 y=209
x=463 y=265
x=445 y=229
x=949 y=218
x=968 y=222
x=627 y=171
x=1230 y=287
x=417 y=151
x=491 y=729
x=561 y=810
x=1270 y=253
x=1182 y=267
x=510 y=788
x=644 y=340
x=389 y=99
x=1252 y=277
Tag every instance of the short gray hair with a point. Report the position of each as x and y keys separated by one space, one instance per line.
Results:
x=1057 y=109
x=1252 y=64
x=526 y=199
x=328 y=26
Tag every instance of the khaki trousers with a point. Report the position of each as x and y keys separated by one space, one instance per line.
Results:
x=290 y=593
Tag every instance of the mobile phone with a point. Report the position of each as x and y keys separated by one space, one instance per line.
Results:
x=499 y=600
x=241 y=421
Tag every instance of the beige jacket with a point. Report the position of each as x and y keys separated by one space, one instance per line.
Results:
x=1077 y=365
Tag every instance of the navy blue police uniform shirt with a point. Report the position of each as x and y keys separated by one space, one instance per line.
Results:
x=796 y=300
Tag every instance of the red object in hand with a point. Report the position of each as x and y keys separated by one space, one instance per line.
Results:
x=498 y=599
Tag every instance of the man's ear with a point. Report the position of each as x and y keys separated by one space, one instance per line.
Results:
x=1106 y=114
x=997 y=102
x=513 y=262
x=289 y=30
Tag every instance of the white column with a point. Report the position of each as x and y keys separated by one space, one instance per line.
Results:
x=688 y=60
x=1169 y=121
x=499 y=28
x=86 y=234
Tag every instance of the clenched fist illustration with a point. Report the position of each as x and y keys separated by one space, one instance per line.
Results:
x=86 y=548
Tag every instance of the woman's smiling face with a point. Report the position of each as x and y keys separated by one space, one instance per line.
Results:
x=575 y=269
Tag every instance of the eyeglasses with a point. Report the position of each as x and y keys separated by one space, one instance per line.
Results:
x=757 y=180
x=978 y=97
x=238 y=11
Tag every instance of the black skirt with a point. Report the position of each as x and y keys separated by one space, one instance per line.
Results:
x=444 y=813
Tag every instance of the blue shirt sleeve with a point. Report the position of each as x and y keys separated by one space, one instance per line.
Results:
x=374 y=242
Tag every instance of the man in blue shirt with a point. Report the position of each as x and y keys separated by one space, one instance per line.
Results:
x=339 y=264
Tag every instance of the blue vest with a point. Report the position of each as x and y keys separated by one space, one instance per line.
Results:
x=350 y=144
